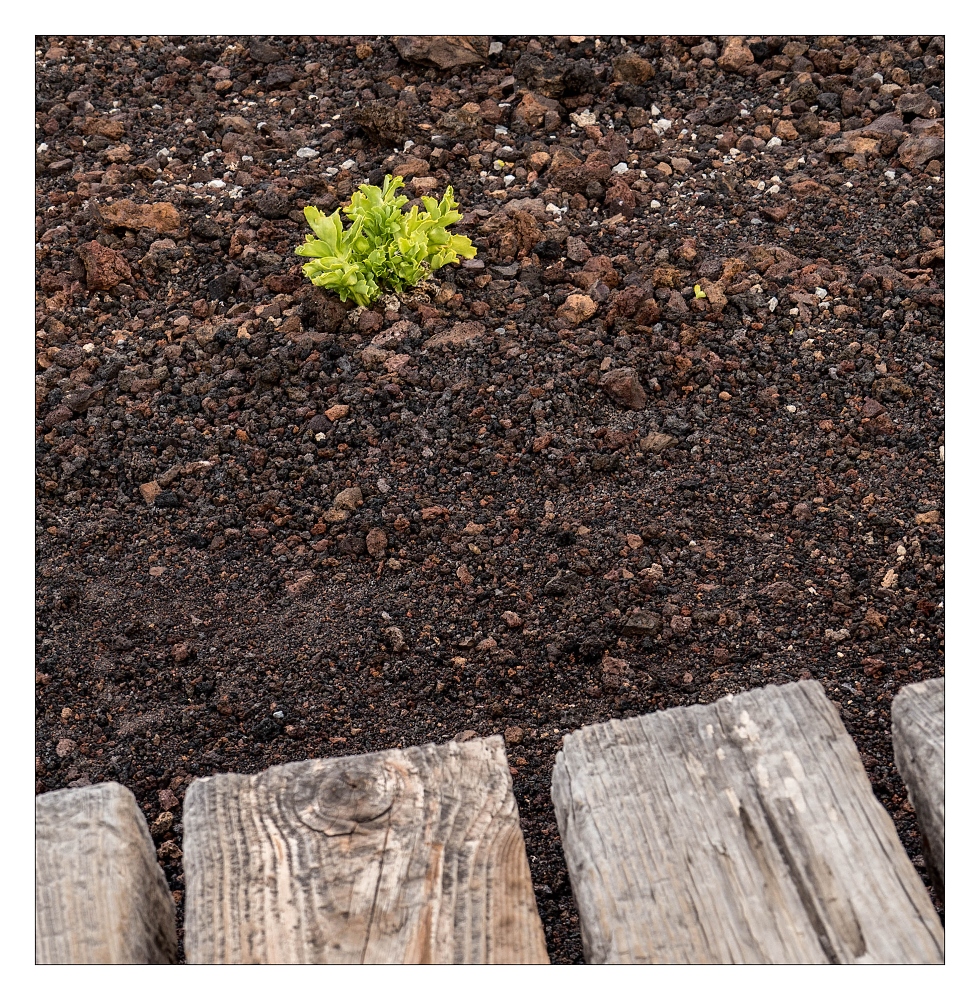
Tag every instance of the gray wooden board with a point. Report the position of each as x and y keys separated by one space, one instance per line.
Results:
x=744 y=831
x=404 y=856
x=919 y=738
x=100 y=896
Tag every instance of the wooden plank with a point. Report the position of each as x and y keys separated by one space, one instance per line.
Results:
x=739 y=832
x=919 y=738
x=100 y=896
x=404 y=856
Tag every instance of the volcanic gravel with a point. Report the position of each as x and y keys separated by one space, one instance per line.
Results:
x=676 y=432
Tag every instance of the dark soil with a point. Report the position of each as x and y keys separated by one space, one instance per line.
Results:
x=753 y=495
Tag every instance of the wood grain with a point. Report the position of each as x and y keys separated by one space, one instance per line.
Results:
x=739 y=832
x=919 y=739
x=405 y=856
x=100 y=896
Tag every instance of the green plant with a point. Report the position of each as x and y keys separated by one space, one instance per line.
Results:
x=384 y=248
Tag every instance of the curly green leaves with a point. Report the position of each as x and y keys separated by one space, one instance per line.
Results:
x=384 y=248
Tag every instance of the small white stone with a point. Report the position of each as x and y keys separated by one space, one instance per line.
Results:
x=348 y=164
x=791 y=408
x=655 y=203
x=620 y=168
x=509 y=179
x=773 y=142
x=306 y=153
x=890 y=174
x=216 y=183
x=821 y=293
x=496 y=48
x=654 y=110
x=773 y=302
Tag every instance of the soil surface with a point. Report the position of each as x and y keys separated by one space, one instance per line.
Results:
x=677 y=431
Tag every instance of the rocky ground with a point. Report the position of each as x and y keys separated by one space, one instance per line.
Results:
x=677 y=431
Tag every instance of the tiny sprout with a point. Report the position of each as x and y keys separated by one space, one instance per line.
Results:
x=384 y=248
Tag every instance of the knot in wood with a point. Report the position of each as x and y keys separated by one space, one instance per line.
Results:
x=345 y=797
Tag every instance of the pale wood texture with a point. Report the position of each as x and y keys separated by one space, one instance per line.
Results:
x=100 y=896
x=744 y=831
x=919 y=738
x=404 y=856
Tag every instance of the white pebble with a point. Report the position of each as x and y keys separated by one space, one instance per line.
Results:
x=620 y=168
x=348 y=164
x=791 y=408
x=774 y=142
x=305 y=153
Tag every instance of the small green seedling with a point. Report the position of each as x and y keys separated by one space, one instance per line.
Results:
x=384 y=248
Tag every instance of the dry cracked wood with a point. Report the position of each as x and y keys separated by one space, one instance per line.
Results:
x=405 y=856
x=739 y=832
x=919 y=738
x=100 y=896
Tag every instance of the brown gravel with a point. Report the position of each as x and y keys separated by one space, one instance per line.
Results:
x=677 y=431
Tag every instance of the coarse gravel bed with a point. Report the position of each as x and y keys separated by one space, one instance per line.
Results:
x=677 y=431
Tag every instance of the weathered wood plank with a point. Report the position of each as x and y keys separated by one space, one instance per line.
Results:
x=405 y=856
x=100 y=896
x=919 y=739
x=744 y=831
